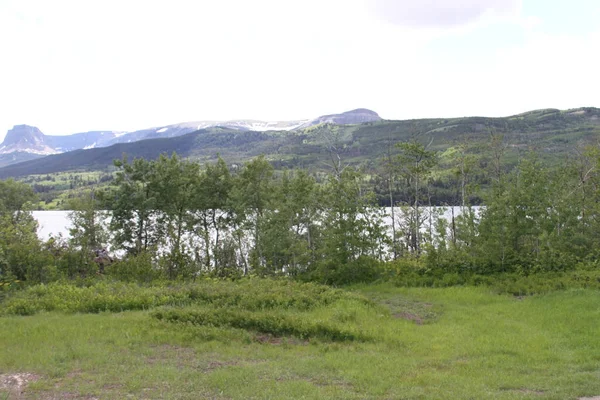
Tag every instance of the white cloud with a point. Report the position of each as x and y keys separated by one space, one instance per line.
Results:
x=441 y=13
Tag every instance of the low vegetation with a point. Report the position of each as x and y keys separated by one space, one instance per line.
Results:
x=369 y=341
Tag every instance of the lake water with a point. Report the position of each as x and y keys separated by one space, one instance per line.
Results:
x=52 y=223
x=57 y=222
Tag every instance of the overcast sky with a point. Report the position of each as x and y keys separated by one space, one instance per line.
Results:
x=74 y=66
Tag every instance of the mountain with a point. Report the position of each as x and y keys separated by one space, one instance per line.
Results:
x=188 y=127
x=358 y=116
x=27 y=139
x=26 y=142
x=553 y=133
x=85 y=140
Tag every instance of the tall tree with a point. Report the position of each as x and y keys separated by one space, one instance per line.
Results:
x=88 y=232
x=174 y=183
x=134 y=208
x=211 y=218
x=250 y=197
x=416 y=165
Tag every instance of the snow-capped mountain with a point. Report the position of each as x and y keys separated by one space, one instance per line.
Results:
x=188 y=127
x=25 y=139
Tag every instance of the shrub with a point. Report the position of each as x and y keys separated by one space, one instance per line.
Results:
x=274 y=322
x=362 y=270
x=139 y=268
x=246 y=294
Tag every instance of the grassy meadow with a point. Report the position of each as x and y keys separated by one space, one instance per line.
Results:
x=273 y=339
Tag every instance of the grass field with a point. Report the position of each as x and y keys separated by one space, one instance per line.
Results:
x=230 y=342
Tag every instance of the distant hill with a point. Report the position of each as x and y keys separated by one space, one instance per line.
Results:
x=26 y=142
x=551 y=132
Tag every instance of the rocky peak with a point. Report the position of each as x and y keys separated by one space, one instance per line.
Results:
x=25 y=138
x=358 y=116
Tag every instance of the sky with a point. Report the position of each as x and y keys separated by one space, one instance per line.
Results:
x=70 y=66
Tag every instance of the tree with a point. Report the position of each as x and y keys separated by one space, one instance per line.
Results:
x=211 y=219
x=352 y=233
x=250 y=197
x=133 y=204
x=88 y=232
x=15 y=198
x=416 y=164
x=174 y=184
x=20 y=247
x=289 y=227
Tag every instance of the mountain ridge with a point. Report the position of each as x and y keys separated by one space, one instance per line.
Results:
x=23 y=139
x=552 y=132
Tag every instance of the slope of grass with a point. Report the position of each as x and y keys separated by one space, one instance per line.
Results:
x=452 y=343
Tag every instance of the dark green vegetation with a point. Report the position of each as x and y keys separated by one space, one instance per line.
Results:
x=553 y=134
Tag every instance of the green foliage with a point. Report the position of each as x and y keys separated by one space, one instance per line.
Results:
x=133 y=205
x=21 y=257
x=246 y=294
x=351 y=231
x=364 y=269
x=138 y=268
x=277 y=323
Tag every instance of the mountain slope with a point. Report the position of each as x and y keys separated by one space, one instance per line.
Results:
x=24 y=139
x=553 y=133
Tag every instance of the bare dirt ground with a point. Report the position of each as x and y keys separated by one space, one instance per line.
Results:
x=17 y=382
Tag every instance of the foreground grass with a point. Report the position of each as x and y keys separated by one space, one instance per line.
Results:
x=452 y=343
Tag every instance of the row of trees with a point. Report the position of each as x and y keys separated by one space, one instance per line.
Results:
x=177 y=218
x=196 y=218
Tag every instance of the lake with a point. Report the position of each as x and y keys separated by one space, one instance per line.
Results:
x=57 y=222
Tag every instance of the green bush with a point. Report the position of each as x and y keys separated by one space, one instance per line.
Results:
x=362 y=270
x=273 y=322
x=137 y=268
x=246 y=294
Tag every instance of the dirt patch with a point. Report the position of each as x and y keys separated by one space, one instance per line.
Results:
x=526 y=391
x=320 y=381
x=169 y=353
x=589 y=398
x=68 y=396
x=17 y=382
x=187 y=358
x=275 y=340
x=409 y=316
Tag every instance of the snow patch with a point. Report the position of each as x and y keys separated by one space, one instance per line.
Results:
x=162 y=130
x=91 y=146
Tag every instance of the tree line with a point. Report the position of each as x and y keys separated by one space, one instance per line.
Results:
x=179 y=219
